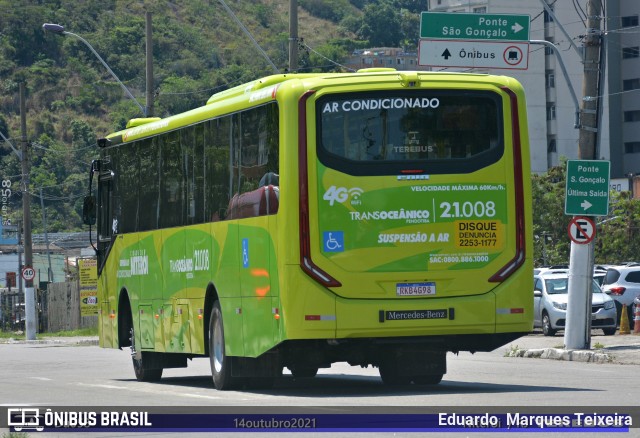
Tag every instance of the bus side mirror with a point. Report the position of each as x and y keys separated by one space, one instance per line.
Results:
x=89 y=210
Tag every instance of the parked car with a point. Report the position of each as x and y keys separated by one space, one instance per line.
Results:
x=550 y=298
x=622 y=283
x=598 y=275
x=598 y=272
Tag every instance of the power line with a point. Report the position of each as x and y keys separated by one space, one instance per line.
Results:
x=57 y=198
x=302 y=43
x=246 y=31
x=45 y=148
x=201 y=91
x=59 y=185
x=612 y=94
x=623 y=30
x=580 y=12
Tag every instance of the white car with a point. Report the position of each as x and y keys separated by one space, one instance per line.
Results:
x=622 y=283
x=550 y=298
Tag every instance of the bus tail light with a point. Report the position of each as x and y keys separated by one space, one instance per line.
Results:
x=306 y=263
x=519 y=257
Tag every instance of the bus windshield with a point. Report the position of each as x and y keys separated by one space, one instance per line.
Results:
x=434 y=126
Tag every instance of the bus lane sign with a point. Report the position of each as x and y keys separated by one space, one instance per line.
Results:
x=474 y=54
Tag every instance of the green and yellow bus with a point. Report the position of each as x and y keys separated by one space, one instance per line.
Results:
x=377 y=218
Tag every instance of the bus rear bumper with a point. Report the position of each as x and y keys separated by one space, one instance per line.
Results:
x=475 y=315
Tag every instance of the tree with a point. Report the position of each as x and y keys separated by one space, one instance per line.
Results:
x=381 y=25
x=549 y=220
x=617 y=235
x=413 y=6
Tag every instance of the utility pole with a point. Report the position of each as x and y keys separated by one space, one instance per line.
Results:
x=149 y=89
x=293 y=36
x=29 y=294
x=590 y=92
x=577 y=333
x=46 y=237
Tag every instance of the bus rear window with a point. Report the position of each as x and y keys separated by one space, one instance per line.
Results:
x=434 y=130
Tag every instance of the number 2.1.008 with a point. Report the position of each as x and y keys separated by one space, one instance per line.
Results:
x=468 y=209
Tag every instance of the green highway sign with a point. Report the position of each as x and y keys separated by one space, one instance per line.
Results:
x=587 y=188
x=489 y=27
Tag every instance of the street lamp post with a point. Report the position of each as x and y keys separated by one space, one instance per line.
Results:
x=59 y=29
x=545 y=235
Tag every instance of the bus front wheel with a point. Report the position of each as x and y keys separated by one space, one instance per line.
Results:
x=144 y=374
x=141 y=361
x=220 y=363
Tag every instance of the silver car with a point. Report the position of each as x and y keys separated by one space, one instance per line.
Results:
x=550 y=297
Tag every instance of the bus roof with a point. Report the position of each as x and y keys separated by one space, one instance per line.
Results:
x=264 y=89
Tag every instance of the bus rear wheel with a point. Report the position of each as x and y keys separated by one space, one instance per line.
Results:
x=220 y=362
x=304 y=372
x=390 y=374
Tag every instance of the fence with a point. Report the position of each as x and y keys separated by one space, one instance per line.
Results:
x=61 y=308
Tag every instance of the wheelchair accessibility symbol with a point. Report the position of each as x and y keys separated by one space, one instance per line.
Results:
x=333 y=241
x=245 y=253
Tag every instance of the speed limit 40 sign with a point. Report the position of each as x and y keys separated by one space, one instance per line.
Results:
x=28 y=273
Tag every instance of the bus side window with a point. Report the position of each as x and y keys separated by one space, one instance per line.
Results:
x=254 y=143
x=217 y=168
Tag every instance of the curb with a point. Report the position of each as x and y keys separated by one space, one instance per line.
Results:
x=561 y=354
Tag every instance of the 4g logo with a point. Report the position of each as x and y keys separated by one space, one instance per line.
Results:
x=341 y=194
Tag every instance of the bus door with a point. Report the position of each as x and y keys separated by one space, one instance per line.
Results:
x=105 y=236
x=255 y=200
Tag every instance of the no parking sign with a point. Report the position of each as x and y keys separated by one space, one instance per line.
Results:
x=582 y=229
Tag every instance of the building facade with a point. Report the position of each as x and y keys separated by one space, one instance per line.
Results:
x=384 y=57
x=551 y=108
x=623 y=60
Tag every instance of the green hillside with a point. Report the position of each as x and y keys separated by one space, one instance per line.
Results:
x=198 y=49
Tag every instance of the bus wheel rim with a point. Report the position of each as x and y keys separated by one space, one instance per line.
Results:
x=218 y=346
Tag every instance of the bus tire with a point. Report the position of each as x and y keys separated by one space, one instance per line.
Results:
x=220 y=363
x=143 y=373
x=390 y=374
x=140 y=365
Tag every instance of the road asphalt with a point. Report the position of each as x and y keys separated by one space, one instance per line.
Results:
x=616 y=349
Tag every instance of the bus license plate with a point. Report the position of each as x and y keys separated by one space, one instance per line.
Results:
x=415 y=289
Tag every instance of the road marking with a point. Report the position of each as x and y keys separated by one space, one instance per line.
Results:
x=41 y=378
x=148 y=390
